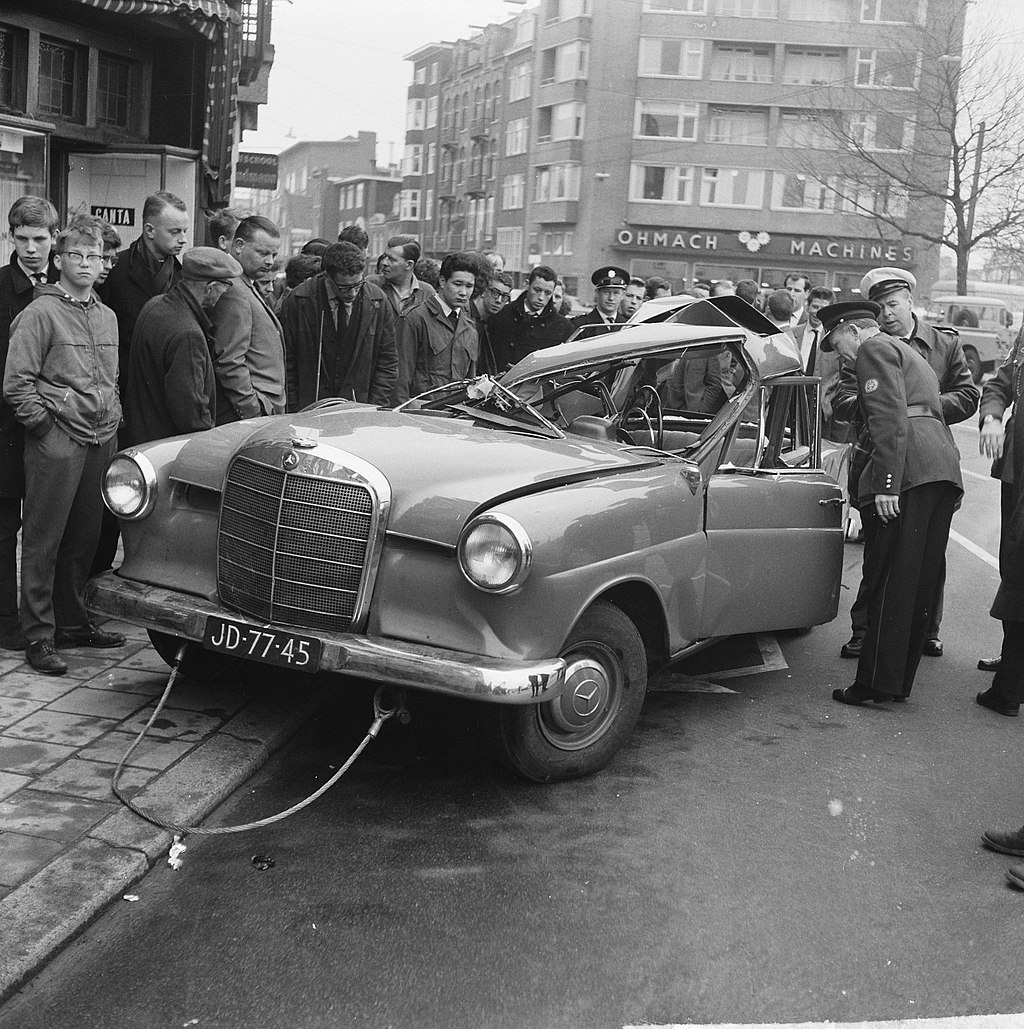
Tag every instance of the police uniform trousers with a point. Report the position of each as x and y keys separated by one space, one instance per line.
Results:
x=903 y=575
x=60 y=528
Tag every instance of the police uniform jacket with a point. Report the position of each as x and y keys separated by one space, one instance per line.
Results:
x=942 y=349
x=905 y=442
x=594 y=317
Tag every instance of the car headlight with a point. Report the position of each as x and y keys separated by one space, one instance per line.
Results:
x=495 y=553
x=129 y=485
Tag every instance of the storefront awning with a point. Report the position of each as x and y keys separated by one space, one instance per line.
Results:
x=202 y=15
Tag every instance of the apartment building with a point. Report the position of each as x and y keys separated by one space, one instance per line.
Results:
x=685 y=138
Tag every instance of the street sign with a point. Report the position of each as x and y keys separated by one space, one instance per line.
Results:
x=256 y=171
x=113 y=215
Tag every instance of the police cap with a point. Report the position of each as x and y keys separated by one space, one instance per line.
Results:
x=610 y=276
x=834 y=315
x=880 y=282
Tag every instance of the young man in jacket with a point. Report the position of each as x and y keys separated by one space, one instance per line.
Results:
x=531 y=322
x=61 y=382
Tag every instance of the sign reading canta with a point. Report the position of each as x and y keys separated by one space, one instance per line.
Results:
x=256 y=171
x=766 y=245
x=113 y=215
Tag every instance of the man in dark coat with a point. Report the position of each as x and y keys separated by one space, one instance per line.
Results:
x=33 y=229
x=339 y=333
x=170 y=388
x=609 y=287
x=893 y=288
x=905 y=479
x=531 y=322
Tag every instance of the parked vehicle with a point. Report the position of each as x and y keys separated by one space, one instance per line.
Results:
x=541 y=543
x=983 y=324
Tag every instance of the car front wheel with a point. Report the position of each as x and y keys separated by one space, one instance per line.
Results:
x=579 y=732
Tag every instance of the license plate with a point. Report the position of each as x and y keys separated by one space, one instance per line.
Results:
x=269 y=646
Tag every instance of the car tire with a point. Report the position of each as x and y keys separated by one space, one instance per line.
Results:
x=197 y=663
x=560 y=739
x=973 y=363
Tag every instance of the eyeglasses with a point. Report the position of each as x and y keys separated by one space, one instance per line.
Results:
x=354 y=288
x=497 y=295
x=79 y=258
x=110 y=259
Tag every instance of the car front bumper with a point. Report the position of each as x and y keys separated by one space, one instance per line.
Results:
x=397 y=662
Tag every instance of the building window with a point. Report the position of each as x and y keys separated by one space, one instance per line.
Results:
x=562 y=10
x=565 y=63
x=509 y=243
x=738 y=125
x=519 y=81
x=891 y=12
x=889 y=69
x=433 y=73
x=731 y=187
x=889 y=132
x=414 y=115
x=806 y=131
x=420 y=75
x=748 y=8
x=666 y=119
x=413 y=163
x=675 y=58
x=409 y=207
x=794 y=192
x=113 y=88
x=516 y=132
x=524 y=30
x=557 y=244
x=13 y=76
x=667 y=184
x=864 y=198
x=61 y=80
x=431 y=117
x=823 y=11
x=431 y=158
x=561 y=121
x=556 y=182
x=428 y=204
x=513 y=192
x=813 y=67
x=741 y=63
x=359 y=194
x=677 y=6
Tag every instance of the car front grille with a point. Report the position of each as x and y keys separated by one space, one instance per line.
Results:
x=293 y=548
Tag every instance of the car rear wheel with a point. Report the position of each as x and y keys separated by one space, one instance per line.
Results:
x=974 y=363
x=580 y=731
x=197 y=663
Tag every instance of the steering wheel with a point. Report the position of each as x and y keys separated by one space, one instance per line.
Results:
x=646 y=396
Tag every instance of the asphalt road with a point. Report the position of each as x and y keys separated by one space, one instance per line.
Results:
x=761 y=855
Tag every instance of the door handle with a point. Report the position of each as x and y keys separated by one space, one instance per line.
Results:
x=831 y=502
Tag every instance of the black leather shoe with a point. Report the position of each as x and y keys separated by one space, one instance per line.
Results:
x=989 y=664
x=852 y=647
x=998 y=703
x=1005 y=842
x=1015 y=874
x=933 y=648
x=857 y=694
x=89 y=636
x=43 y=657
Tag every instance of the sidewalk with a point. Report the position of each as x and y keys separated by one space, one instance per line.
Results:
x=67 y=845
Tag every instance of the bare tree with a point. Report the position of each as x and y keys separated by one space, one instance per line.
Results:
x=929 y=137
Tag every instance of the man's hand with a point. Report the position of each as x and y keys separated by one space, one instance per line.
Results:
x=887 y=506
x=991 y=439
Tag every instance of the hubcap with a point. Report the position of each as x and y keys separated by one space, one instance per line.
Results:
x=589 y=701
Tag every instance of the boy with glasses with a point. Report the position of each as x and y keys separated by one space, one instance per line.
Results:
x=497 y=294
x=61 y=382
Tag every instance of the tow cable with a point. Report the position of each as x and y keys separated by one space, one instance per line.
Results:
x=380 y=715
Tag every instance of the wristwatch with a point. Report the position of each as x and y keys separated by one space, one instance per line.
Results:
x=988 y=418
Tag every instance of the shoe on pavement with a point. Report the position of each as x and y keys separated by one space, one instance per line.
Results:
x=852 y=647
x=1015 y=874
x=89 y=635
x=998 y=703
x=1011 y=843
x=858 y=694
x=989 y=664
x=43 y=657
x=933 y=647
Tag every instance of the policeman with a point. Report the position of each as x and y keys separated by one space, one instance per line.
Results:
x=892 y=289
x=905 y=480
x=609 y=286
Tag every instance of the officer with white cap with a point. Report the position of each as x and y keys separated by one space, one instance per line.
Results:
x=892 y=289
x=905 y=480
x=610 y=284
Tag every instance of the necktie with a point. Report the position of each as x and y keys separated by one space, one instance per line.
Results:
x=39 y=279
x=454 y=318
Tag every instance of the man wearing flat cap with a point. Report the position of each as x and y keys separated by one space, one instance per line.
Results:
x=892 y=289
x=905 y=480
x=170 y=388
x=609 y=287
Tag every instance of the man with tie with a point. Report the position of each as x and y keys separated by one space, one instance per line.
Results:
x=248 y=353
x=33 y=229
x=808 y=332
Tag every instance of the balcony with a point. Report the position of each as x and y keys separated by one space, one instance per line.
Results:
x=480 y=128
x=476 y=185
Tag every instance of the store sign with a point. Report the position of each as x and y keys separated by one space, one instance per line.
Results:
x=772 y=246
x=256 y=171
x=114 y=215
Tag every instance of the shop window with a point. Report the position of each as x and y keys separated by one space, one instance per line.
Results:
x=113 y=90
x=61 y=80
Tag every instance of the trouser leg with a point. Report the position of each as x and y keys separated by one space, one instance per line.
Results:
x=870 y=569
x=10 y=523
x=1009 y=678
x=53 y=468
x=935 y=619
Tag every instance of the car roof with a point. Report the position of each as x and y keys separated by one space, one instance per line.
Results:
x=950 y=298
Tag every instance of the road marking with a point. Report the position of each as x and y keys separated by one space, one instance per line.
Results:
x=955 y=1022
x=977 y=475
x=772 y=660
x=974 y=549
x=675 y=683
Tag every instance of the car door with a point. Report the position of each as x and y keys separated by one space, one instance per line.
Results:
x=773 y=520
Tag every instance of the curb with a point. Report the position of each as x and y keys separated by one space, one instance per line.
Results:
x=46 y=912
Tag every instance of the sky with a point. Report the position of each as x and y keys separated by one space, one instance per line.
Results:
x=339 y=66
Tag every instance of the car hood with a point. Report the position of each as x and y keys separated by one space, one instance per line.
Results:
x=440 y=470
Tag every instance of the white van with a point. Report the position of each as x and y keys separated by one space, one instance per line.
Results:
x=984 y=325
